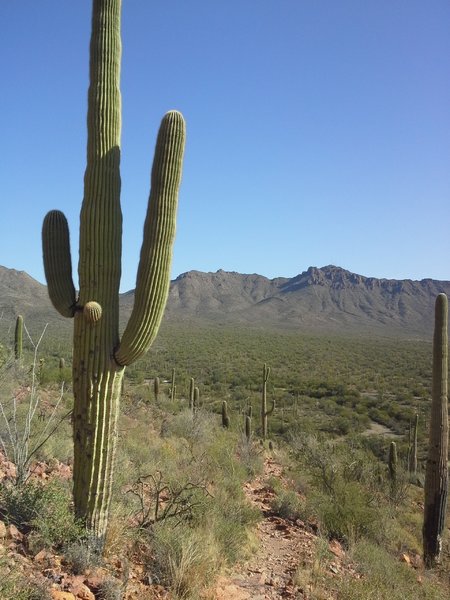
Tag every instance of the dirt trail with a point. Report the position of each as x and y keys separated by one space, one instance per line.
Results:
x=283 y=545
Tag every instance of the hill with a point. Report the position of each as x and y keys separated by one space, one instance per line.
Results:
x=328 y=299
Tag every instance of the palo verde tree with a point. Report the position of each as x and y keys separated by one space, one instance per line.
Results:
x=99 y=356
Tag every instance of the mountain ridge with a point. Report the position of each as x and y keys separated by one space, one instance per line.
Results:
x=320 y=299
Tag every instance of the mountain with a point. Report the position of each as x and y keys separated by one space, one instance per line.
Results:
x=328 y=299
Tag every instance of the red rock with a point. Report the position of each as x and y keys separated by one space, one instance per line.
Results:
x=58 y=595
x=43 y=556
x=14 y=533
x=336 y=549
x=82 y=592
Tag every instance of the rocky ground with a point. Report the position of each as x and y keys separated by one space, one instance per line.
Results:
x=286 y=564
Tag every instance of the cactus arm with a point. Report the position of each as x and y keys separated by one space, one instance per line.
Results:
x=153 y=278
x=58 y=263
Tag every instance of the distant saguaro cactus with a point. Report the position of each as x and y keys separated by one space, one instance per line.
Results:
x=18 y=338
x=436 y=474
x=392 y=463
x=173 y=387
x=248 y=427
x=412 y=466
x=196 y=398
x=156 y=388
x=99 y=355
x=264 y=412
x=225 y=417
x=191 y=393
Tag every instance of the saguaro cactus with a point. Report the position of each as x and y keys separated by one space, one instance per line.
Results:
x=436 y=474
x=99 y=356
x=225 y=417
x=18 y=337
x=413 y=448
x=264 y=412
x=156 y=388
x=248 y=427
x=392 y=463
x=196 y=398
x=191 y=393
x=173 y=387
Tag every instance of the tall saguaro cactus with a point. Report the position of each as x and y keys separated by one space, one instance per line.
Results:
x=99 y=356
x=436 y=474
x=264 y=412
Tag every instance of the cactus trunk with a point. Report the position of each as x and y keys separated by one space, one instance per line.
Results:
x=436 y=475
x=99 y=356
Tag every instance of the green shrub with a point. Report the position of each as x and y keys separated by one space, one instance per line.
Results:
x=41 y=510
x=289 y=505
x=383 y=577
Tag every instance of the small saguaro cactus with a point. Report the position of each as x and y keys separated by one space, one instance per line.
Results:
x=225 y=417
x=99 y=355
x=196 y=403
x=191 y=393
x=248 y=427
x=412 y=454
x=18 y=338
x=264 y=412
x=173 y=387
x=436 y=474
x=156 y=388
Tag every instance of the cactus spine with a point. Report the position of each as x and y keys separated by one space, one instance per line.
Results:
x=436 y=475
x=99 y=356
x=18 y=338
x=264 y=412
x=225 y=417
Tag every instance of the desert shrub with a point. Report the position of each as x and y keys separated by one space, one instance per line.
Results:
x=41 y=510
x=82 y=555
x=289 y=505
x=384 y=578
x=110 y=589
x=347 y=513
x=14 y=585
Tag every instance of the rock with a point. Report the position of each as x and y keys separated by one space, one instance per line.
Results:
x=336 y=548
x=82 y=592
x=3 y=531
x=14 y=533
x=58 y=595
x=43 y=556
x=405 y=558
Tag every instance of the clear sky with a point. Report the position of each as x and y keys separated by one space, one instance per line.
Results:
x=318 y=131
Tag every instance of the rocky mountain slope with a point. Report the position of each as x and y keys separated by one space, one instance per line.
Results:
x=328 y=299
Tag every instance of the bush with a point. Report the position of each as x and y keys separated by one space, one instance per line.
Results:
x=43 y=510
x=288 y=505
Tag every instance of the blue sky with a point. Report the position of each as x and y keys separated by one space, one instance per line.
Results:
x=318 y=131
